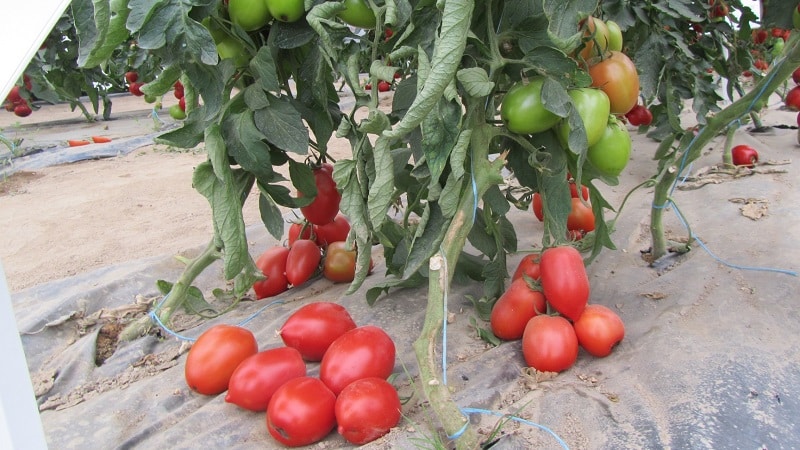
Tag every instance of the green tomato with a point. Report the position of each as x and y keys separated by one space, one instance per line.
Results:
x=614 y=36
x=249 y=14
x=358 y=14
x=230 y=47
x=217 y=33
x=593 y=107
x=176 y=112
x=286 y=10
x=523 y=111
x=150 y=98
x=796 y=16
x=611 y=153
x=777 y=47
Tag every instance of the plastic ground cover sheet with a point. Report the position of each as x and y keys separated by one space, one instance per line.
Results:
x=709 y=360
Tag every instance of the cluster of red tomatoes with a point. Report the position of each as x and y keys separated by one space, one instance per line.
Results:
x=17 y=99
x=351 y=393
x=554 y=281
x=581 y=217
x=319 y=239
x=177 y=111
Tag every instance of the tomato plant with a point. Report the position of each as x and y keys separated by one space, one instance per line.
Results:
x=744 y=155
x=272 y=264
x=512 y=311
x=215 y=355
x=256 y=378
x=367 y=409
x=549 y=344
x=564 y=280
x=302 y=261
x=362 y=352
x=598 y=330
x=325 y=206
x=301 y=412
x=313 y=328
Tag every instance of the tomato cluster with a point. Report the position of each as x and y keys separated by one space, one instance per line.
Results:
x=581 y=218
x=18 y=99
x=547 y=307
x=351 y=393
x=178 y=111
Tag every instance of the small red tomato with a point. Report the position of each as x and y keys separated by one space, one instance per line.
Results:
x=367 y=409
x=273 y=265
x=796 y=76
x=258 y=377
x=131 y=77
x=340 y=263
x=537 y=206
x=314 y=327
x=14 y=96
x=598 y=330
x=302 y=261
x=384 y=86
x=215 y=355
x=23 y=110
x=301 y=412
x=362 y=352
x=744 y=155
x=573 y=190
x=388 y=33
x=792 y=99
x=335 y=231
x=101 y=139
x=77 y=142
x=136 y=89
x=528 y=266
x=512 y=311
x=549 y=344
x=182 y=104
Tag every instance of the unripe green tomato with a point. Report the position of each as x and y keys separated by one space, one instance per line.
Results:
x=777 y=47
x=796 y=17
x=594 y=108
x=522 y=109
x=614 y=36
x=286 y=10
x=150 y=98
x=611 y=153
x=358 y=14
x=176 y=112
x=230 y=47
x=249 y=14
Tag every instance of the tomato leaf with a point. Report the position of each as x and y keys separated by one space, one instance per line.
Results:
x=385 y=285
x=282 y=126
x=101 y=29
x=164 y=82
x=382 y=186
x=263 y=68
x=270 y=214
x=550 y=62
x=439 y=135
x=290 y=35
x=429 y=237
x=302 y=178
x=245 y=143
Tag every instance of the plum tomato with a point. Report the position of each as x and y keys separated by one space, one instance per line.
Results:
x=302 y=261
x=611 y=153
x=744 y=155
x=273 y=265
x=325 y=206
x=258 y=377
x=215 y=355
x=564 y=280
x=313 y=328
x=581 y=217
x=362 y=352
x=299 y=230
x=335 y=231
x=529 y=265
x=340 y=263
x=792 y=99
x=598 y=330
x=358 y=14
x=616 y=75
x=549 y=344
x=523 y=110
x=301 y=412
x=512 y=311
x=367 y=409
x=593 y=107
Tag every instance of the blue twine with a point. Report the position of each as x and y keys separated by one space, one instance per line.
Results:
x=444 y=321
x=511 y=417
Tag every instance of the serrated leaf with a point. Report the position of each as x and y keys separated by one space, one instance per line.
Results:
x=551 y=62
x=245 y=143
x=283 y=126
x=166 y=25
x=263 y=67
x=270 y=215
x=382 y=186
x=302 y=178
x=555 y=98
x=476 y=81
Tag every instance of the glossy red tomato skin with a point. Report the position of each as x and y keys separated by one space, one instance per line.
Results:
x=512 y=311
x=573 y=190
x=384 y=86
x=301 y=412
x=335 y=231
x=325 y=206
x=564 y=280
x=529 y=265
x=598 y=330
x=314 y=327
x=215 y=355
x=549 y=344
x=744 y=155
x=581 y=217
x=299 y=230
x=273 y=265
x=367 y=409
x=537 y=206
x=363 y=352
x=258 y=377
x=302 y=261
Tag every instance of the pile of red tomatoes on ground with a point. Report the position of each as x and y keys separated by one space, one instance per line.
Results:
x=547 y=307
x=316 y=244
x=17 y=100
x=351 y=393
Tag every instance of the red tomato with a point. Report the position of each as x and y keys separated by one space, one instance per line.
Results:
x=617 y=77
x=77 y=142
x=564 y=280
x=302 y=261
x=639 y=115
x=581 y=217
x=182 y=104
x=325 y=207
x=367 y=409
x=362 y=352
x=273 y=265
x=258 y=377
x=301 y=412
x=528 y=266
x=512 y=311
x=299 y=230
x=22 y=110
x=538 y=208
x=101 y=139
x=384 y=86
x=744 y=155
x=136 y=89
x=598 y=330
x=313 y=328
x=573 y=190
x=796 y=76
x=340 y=263
x=549 y=344
x=14 y=96
x=335 y=231
x=215 y=355
x=131 y=77
x=792 y=99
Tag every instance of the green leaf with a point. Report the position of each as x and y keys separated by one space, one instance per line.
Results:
x=480 y=235
x=440 y=130
x=246 y=144
x=563 y=15
x=551 y=62
x=283 y=126
x=263 y=68
x=166 y=25
x=415 y=281
x=270 y=215
x=164 y=82
x=302 y=178
x=110 y=31
x=555 y=98
x=255 y=97
x=382 y=186
x=476 y=81
x=427 y=242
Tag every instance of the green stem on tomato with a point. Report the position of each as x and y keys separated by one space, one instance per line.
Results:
x=727 y=157
x=780 y=71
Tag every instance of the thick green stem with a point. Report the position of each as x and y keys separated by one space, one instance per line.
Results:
x=780 y=71
x=177 y=296
x=727 y=156
x=442 y=265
